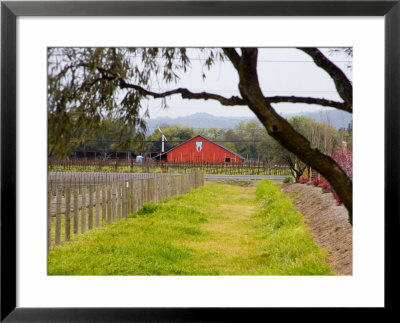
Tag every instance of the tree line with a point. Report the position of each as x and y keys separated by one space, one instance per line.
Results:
x=249 y=139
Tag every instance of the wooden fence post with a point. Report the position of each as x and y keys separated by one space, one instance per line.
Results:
x=109 y=202
x=143 y=192
x=162 y=188
x=49 y=218
x=97 y=220
x=67 y=214
x=134 y=195
x=139 y=195
x=119 y=204
x=57 y=237
x=104 y=203
x=154 y=190
x=124 y=213
x=114 y=202
x=147 y=181
x=83 y=211
x=148 y=190
x=90 y=206
x=158 y=187
x=76 y=209
x=166 y=189
x=128 y=185
x=185 y=179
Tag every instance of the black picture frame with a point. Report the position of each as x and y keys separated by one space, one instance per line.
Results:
x=11 y=10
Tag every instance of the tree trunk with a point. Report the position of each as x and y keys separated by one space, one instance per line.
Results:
x=298 y=175
x=283 y=132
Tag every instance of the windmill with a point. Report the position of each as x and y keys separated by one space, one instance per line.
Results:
x=163 y=138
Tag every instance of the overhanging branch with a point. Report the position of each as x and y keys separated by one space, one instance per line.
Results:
x=342 y=83
x=186 y=94
x=232 y=101
x=308 y=100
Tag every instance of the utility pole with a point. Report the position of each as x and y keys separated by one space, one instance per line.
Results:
x=162 y=141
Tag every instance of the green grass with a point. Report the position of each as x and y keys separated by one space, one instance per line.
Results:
x=217 y=229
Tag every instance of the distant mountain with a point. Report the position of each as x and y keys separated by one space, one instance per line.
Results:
x=335 y=118
x=197 y=120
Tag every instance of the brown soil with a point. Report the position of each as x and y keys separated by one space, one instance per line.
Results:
x=328 y=224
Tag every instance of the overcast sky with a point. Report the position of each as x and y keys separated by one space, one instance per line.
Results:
x=281 y=71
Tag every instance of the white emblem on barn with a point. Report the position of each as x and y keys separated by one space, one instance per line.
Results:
x=199 y=145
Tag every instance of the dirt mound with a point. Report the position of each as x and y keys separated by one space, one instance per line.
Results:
x=328 y=224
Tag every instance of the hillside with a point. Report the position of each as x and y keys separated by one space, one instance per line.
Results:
x=336 y=118
x=198 y=120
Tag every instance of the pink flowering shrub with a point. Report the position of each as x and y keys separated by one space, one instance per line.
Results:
x=325 y=185
x=316 y=181
x=344 y=158
x=303 y=180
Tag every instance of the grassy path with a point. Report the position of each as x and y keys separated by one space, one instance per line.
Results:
x=215 y=230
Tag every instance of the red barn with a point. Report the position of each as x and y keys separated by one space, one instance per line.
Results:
x=200 y=149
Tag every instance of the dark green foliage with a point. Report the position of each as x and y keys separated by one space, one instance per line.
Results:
x=146 y=209
x=288 y=179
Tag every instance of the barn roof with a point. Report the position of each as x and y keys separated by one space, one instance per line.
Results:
x=208 y=139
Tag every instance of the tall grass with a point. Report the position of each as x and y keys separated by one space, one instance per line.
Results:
x=288 y=246
x=217 y=229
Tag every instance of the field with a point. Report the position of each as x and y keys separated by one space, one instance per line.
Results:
x=217 y=229
x=129 y=166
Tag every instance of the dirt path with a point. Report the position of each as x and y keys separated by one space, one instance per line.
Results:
x=236 y=234
x=231 y=227
x=328 y=223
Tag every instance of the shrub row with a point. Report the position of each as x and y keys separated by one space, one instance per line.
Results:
x=344 y=158
x=324 y=185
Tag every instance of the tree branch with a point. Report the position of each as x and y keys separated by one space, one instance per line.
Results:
x=342 y=83
x=308 y=100
x=234 y=100
x=186 y=94
x=233 y=56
